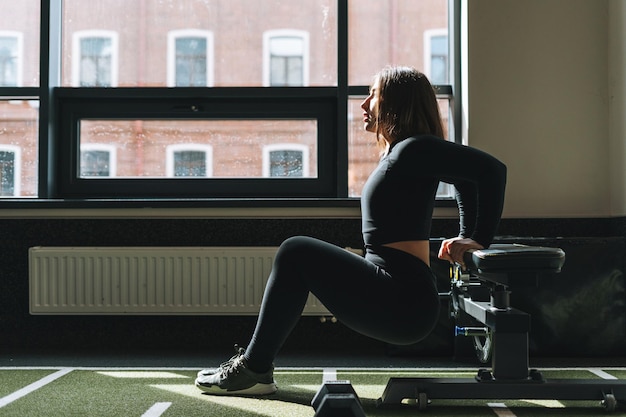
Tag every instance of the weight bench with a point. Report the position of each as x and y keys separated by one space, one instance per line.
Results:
x=501 y=336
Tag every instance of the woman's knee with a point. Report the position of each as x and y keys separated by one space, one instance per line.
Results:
x=295 y=250
x=298 y=247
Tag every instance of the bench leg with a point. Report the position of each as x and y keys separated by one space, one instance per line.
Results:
x=510 y=355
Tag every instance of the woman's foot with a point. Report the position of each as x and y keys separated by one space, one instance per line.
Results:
x=210 y=371
x=234 y=378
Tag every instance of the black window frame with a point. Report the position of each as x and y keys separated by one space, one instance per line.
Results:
x=58 y=167
x=195 y=104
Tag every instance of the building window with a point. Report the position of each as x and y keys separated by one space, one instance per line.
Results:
x=286 y=58
x=94 y=59
x=190 y=58
x=9 y=171
x=436 y=56
x=10 y=59
x=97 y=160
x=188 y=160
x=285 y=160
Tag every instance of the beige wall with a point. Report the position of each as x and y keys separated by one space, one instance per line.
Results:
x=617 y=104
x=539 y=100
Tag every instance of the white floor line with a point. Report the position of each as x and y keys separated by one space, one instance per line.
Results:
x=602 y=374
x=33 y=387
x=330 y=374
x=286 y=368
x=157 y=410
x=501 y=410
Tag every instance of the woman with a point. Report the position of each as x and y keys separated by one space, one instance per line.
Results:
x=390 y=294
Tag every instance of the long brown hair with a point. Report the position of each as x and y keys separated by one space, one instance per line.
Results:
x=407 y=104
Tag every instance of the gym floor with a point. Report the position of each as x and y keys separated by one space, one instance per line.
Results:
x=160 y=383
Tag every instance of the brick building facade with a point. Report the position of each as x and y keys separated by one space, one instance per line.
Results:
x=207 y=43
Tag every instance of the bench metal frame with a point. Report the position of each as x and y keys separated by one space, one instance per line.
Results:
x=510 y=376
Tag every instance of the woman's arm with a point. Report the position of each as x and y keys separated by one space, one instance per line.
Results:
x=480 y=200
x=480 y=183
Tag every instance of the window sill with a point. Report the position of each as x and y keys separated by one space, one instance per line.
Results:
x=201 y=208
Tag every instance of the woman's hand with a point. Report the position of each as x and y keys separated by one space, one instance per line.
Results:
x=452 y=250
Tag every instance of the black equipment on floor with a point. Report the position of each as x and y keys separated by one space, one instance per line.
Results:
x=337 y=399
x=501 y=335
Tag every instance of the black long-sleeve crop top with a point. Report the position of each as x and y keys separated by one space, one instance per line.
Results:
x=398 y=198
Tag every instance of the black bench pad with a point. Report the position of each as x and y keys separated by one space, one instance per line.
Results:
x=515 y=258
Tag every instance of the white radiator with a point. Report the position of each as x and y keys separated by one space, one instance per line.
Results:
x=152 y=280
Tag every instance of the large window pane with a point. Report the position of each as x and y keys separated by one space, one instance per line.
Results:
x=19 y=43
x=18 y=148
x=189 y=134
x=392 y=32
x=238 y=55
x=198 y=148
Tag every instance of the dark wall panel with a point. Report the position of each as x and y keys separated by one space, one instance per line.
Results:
x=580 y=312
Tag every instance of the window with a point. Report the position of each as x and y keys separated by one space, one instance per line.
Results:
x=185 y=150
x=97 y=160
x=211 y=100
x=286 y=160
x=190 y=58
x=10 y=59
x=94 y=61
x=436 y=55
x=189 y=160
x=286 y=56
x=9 y=171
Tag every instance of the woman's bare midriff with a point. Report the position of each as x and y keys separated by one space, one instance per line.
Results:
x=417 y=248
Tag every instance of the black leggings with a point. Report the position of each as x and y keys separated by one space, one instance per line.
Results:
x=389 y=295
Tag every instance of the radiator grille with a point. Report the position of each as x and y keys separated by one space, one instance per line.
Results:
x=151 y=280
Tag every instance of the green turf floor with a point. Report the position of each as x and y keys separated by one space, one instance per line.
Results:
x=126 y=392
